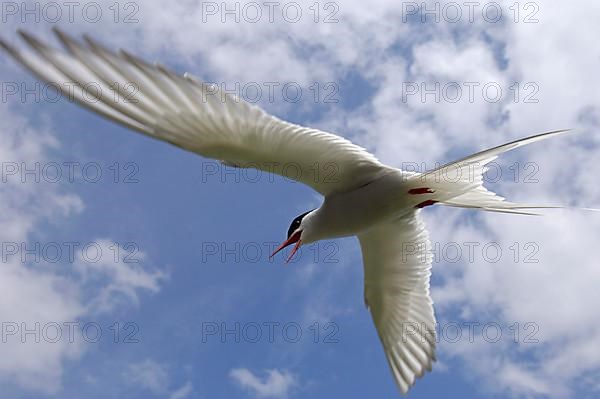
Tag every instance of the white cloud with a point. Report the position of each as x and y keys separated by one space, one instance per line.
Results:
x=154 y=377
x=33 y=300
x=183 y=392
x=149 y=375
x=31 y=295
x=37 y=295
x=123 y=267
x=276 y=384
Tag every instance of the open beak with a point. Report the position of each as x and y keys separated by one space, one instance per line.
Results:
x=294 y=238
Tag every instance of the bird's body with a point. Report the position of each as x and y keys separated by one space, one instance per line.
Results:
x=363 y=197
x=356 y=211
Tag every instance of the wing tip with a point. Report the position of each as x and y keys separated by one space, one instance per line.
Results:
x=94 y=45
x=7 y=47
x=406 y=376
x=63 y=37
x=28 y=37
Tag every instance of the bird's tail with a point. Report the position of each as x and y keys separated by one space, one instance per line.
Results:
x=460 y=183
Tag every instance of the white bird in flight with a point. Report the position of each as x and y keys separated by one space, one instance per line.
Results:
x=362 y=197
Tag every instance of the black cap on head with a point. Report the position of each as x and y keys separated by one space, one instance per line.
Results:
x=296 y=223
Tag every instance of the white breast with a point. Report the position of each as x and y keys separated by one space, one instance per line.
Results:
x=353 y=212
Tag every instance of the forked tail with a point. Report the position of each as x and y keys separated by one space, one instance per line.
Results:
x=460 y=183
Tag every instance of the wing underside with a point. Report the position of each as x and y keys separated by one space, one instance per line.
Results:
x=183 y=111
x=397 y=266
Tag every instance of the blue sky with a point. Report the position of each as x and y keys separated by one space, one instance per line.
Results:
x=196 y=234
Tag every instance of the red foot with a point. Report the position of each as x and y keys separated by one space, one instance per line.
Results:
x=422 y=190
x=425 y=203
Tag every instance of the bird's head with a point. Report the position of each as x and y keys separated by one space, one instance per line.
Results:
x=295 y=234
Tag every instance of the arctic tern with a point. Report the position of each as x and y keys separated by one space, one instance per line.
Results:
x=365 y=198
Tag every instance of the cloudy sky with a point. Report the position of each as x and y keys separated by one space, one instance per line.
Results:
x=133 y=269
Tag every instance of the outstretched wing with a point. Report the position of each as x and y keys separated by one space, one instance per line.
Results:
x=397 y=264
x=195 y=116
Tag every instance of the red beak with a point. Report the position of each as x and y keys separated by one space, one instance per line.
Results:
x=294 y=238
